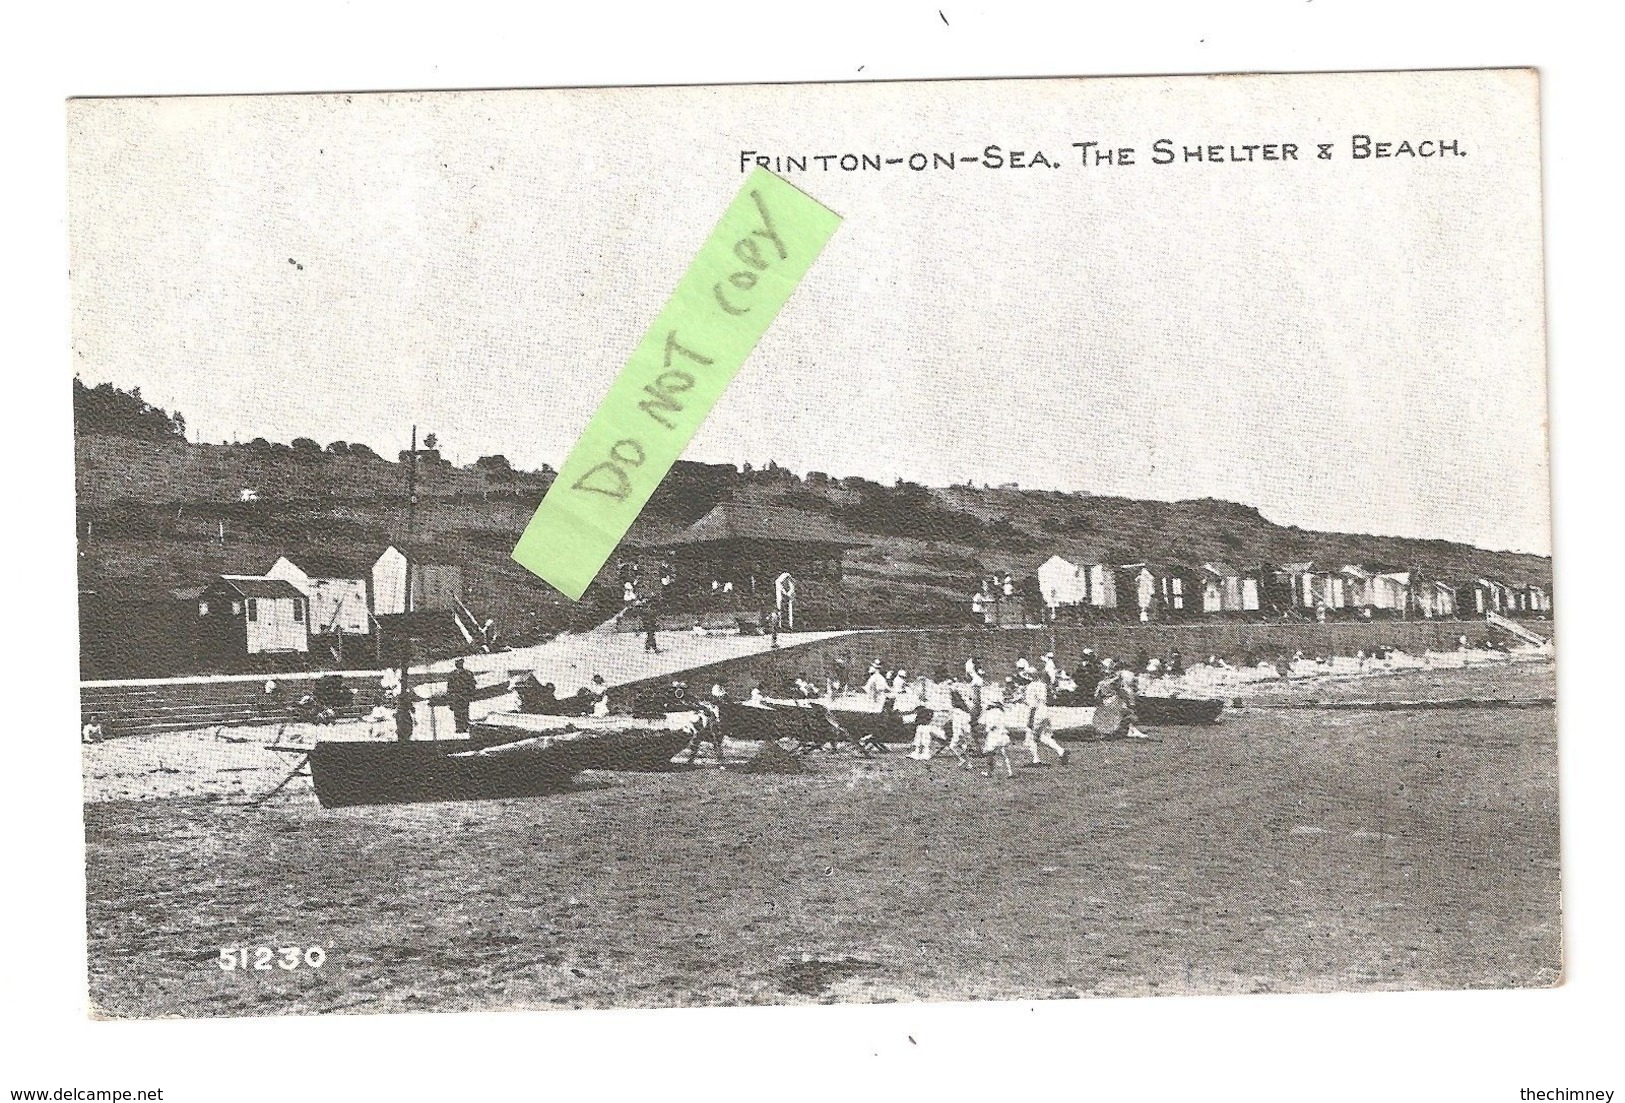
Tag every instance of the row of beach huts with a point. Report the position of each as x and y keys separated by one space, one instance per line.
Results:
x=327 y=598
x=1079 y=588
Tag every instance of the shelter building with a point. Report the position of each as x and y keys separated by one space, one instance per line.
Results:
x=739 y=555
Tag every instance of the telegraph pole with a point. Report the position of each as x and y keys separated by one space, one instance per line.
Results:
x=405 y=703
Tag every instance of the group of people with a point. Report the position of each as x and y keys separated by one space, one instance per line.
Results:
x=971 y=716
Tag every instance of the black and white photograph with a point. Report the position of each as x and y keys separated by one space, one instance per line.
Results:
x=1123 y=568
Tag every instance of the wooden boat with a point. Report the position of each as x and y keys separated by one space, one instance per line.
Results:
x=495 y=763
x=803 y=721
x=861 y=719
x=1150 y=711
x=511 y=727
x=1153 y=712
x=352 y=773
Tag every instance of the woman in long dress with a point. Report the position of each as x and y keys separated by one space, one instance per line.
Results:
x=1114 y=707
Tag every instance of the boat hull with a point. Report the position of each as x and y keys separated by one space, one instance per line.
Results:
x=1152 y=712
x=888 y=726
x=512 y=727
x=347 y=774
x=805 y=722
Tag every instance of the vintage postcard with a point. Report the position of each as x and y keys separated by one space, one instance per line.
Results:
x=1122 y=565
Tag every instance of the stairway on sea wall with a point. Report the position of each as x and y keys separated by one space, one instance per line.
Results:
x=157 y=705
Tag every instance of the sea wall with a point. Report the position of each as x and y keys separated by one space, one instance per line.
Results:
x=925 y=651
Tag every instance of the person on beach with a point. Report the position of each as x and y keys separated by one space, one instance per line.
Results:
x=1088 y=671
x=706 y=726
x=403 y=717
x=651 y=621
x=1040 y=728
x=995 y=740
x=875 y=685
x=929 y=723
x=600 y=695
x=898 y=690
x=1115 y=700
x=460 y=687
x=959 y=721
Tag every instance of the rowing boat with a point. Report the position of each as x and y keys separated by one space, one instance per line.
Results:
x=1152 y=711
x=498 y=761
x=511 y=727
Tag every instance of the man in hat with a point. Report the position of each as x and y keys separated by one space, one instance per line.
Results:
x=1088 y=675
x=875 y=684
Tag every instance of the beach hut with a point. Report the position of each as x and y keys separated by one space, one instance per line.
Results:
x=253 y=615
x=1179 y=590
x=1137 y=583
x=1476 y=597
x=436 y=582
x=1062 y=582
x=1537 y=598
x=1088 y=582
x=1309 y=587
x=1389 y=591
x=1157 y=591
x=1275 y=589
x=1528 y=598
x=1357 y=585
x=1227 y=589
x=335 y=589
x=1433 y=599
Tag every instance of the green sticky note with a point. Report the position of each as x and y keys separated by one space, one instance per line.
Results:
x=745 y=272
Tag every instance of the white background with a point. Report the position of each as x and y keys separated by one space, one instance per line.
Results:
x=1448 y=1046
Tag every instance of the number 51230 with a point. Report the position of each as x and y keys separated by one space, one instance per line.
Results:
x=264 y=958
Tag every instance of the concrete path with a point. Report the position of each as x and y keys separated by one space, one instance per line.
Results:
x=570 y=661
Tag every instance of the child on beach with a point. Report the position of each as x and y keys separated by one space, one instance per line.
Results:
x=995 y=740
x=933 y=719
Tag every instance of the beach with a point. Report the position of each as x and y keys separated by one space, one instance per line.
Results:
x=1283 y=849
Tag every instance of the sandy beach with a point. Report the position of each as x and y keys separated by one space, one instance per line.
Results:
x=1280 y=850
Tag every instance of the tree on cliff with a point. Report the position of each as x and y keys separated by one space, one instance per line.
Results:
x=105 y=408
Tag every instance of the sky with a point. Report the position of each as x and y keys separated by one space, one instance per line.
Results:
x=1349 y=345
